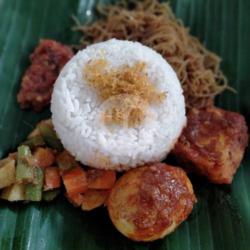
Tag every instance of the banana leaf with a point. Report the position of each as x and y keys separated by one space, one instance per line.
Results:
x=220 y=220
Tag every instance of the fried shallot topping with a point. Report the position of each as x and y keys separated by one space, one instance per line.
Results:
x=132 y=87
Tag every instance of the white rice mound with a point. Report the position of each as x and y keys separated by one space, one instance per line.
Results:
x=76 y=110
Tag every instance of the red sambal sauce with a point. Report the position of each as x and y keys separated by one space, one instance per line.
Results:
x=37 y=83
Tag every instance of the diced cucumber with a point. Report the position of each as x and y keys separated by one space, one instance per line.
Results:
x=7 y=172
x=51 y=194
x=14 y=192
x=24 y=172
x=65 y=161
x=33 y=192
x=35 y=141
x=35 y=132
x=49 y=136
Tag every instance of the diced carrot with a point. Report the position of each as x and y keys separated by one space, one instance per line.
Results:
x=93 y=199
x=52 y=178
x=44 y=157
x=101 y=179
x=75 y=199
x=75 y=181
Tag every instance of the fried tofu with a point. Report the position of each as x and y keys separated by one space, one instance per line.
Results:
x=149 y=202
x=213 y=143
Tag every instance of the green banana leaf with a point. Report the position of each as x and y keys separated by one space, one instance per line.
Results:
x=220 y=220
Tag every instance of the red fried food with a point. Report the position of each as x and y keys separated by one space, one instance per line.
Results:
x=149 y=202
x=37 y=83
x=213 y=143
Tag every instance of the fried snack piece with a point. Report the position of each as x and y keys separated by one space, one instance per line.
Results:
x=37 y=83
x=149 y=202
x=213 y=143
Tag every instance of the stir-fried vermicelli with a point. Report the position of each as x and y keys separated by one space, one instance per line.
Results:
x=154 y=25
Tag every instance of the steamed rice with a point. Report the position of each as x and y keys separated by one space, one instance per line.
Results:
x=76 y=110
